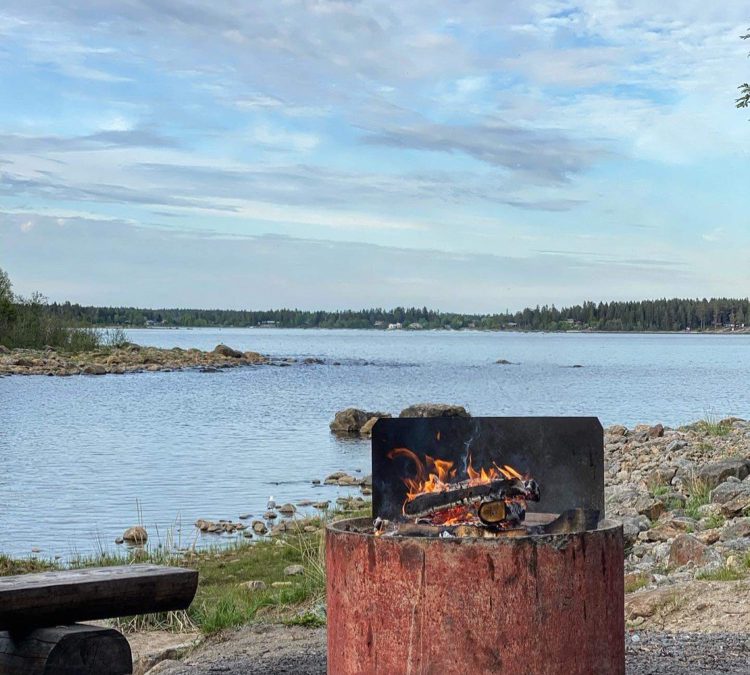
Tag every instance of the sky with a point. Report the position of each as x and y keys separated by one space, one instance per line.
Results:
x=470 y=156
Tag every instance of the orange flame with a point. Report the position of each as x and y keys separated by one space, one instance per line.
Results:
x=436 y=475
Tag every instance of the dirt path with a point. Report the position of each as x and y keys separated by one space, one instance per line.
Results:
x=271 y=650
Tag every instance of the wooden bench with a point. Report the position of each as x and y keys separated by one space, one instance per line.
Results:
x=39 y=632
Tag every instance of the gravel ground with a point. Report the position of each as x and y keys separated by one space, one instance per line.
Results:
x=271 y=650
x=687 y=653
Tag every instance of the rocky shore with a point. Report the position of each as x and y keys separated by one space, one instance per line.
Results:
x=130 y=358
x=683 y=497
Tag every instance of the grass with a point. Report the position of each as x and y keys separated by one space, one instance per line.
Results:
x=636 y=583
x=723 y=573
x=221 y=600
x=700 y=494
x=715 y=520
x=713 y=427
x=660 y=490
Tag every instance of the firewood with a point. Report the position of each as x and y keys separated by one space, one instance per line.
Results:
x=464 y=493
x=491 y=512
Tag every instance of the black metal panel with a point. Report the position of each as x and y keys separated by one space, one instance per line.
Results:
x=564 y=454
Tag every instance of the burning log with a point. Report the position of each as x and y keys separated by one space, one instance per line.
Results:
x=465 y=493
x=499 y=512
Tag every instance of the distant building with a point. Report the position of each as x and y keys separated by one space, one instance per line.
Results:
x=415 y=326
x=395 y=326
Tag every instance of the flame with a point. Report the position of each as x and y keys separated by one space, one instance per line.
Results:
x=436 y=475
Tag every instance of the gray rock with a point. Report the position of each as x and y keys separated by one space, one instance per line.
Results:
x=434 y=410
x=259 y=527
x=736 y=529
x=733 y=496
x=254 y=585
x=293 y=570
x=676 y=445
x=632 y=526
x=715 y=473
x=650 y=507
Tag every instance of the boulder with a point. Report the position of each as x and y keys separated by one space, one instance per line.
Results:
x=632 y=526
x=656 y=431
x=675 y=445
x=135 y=535
x=740 y=527
x=733 y=496
x=94 y=369
x=352 y=421
x=617 y=430
x=223 y=350
x=688 y=549
x=349 y=421
x=434 y=410
x=293 y=570
x=366 y=429
x=650 y=507
x=715 y=473
x=287 y=509
x=259 y=527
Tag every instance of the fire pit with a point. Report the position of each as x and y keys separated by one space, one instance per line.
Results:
x=487 y=552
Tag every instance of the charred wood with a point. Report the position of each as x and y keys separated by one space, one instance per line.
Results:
x=466 y=494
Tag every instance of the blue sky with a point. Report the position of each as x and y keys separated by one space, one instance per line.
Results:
x=468 y=156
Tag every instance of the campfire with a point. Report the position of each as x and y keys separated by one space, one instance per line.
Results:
x=446 y=500
x=471 y=517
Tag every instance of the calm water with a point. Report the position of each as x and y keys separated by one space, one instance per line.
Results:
x=78 y=453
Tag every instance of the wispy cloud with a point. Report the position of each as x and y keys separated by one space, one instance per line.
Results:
x=497 y=129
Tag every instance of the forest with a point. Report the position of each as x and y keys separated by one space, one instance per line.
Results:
x=674 y=314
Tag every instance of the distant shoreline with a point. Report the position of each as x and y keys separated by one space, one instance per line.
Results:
x=592 y=331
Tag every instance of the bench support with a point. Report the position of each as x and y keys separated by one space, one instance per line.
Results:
x=77 y=649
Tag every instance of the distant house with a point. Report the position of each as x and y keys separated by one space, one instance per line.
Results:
x=395 y=326
x=415 y=326
x=379 y=324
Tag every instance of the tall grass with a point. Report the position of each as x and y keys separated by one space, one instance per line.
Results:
x=712 y=426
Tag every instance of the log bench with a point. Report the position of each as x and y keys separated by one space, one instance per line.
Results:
x=39 y=615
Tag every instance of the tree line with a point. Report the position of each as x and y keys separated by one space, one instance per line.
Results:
x=676 y=314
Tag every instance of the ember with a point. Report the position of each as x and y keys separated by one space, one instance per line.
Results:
x=442 y=497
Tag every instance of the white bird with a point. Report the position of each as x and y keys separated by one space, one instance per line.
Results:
x=271 y=503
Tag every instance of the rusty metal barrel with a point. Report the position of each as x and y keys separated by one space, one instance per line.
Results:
x=551 y=604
